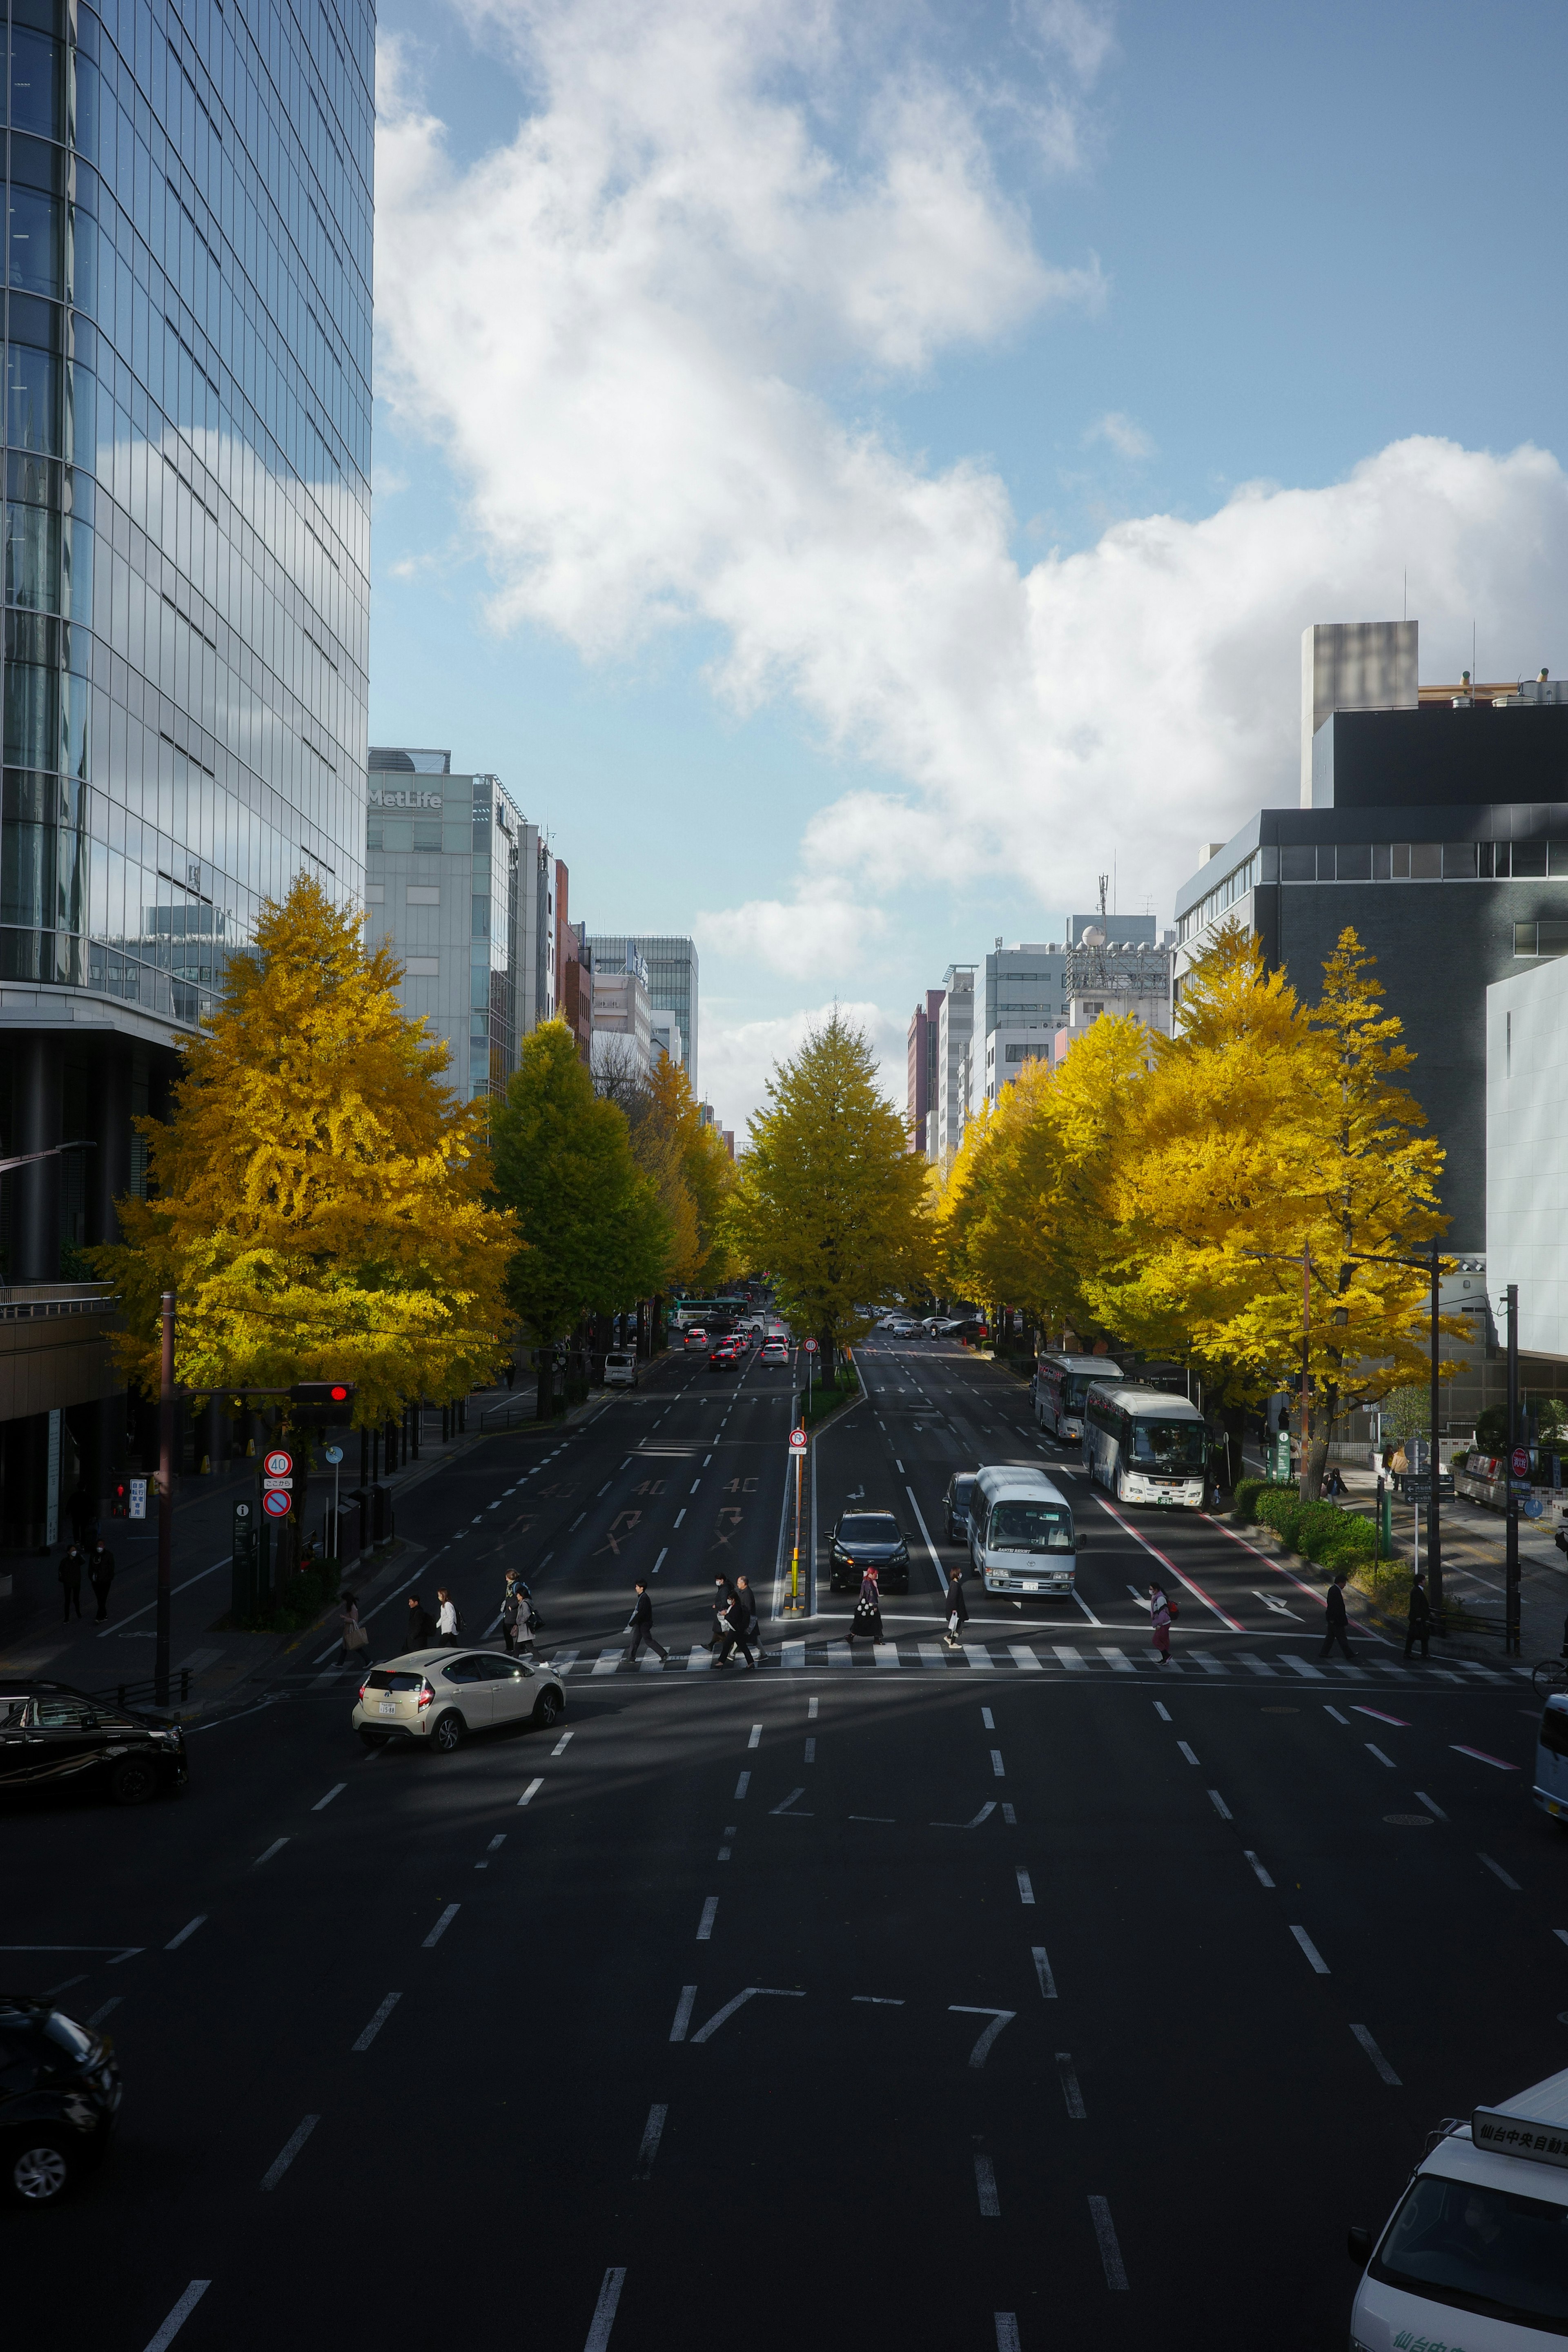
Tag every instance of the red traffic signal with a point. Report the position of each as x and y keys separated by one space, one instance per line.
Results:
x=319 y=1404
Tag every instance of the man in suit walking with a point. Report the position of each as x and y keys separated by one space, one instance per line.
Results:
x=640 y=1624
x=1338 y=1619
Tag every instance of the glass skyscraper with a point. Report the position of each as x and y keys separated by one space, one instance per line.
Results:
x=187 y=525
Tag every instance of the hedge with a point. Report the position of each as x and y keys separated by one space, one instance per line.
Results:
x=1333 y=1539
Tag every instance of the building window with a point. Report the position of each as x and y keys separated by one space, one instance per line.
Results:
x=1426 y=861
x=1549 y=937
x=1459 y=861
x=1529 y=859
x=1299 y=863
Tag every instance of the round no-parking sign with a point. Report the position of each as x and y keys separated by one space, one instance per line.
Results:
x=277 y=1505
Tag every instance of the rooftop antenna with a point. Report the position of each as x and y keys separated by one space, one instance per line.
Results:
x=1406 y=578
x=1103 y=880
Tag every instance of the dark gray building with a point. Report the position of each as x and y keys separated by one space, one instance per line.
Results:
x=187 y=591
x=1439 y=833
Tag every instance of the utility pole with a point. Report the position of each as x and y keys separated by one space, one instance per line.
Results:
x=1510 y=1571
x=1435 y=1529
x=165 y=1504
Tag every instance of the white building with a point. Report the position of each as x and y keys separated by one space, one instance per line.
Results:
x=1129 y=978
x=623 y=1025
x=1527 y=1149
x=1026 y=997
x=955 y=1033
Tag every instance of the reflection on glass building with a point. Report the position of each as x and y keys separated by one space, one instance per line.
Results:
x=187 y=521
x=671 y=981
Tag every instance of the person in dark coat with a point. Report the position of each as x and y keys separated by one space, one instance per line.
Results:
x=1420 y=1626
x=640 y=1624
x=1338 y=1618
x=734 y=1637
x=69 y=1574
x=722 y=1596
x=868 y=1618
x=100 y=1574
x=420 y=1632
x=748 y=1601
x=957 y=1609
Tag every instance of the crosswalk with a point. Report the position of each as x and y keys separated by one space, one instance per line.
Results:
x=1064 y=1660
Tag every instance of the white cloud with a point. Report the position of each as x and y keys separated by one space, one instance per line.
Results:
x=1119 y=431
x=739 y=1057
x=796 y=936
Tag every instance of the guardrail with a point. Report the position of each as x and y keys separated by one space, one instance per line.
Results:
x=135 y=1693
x=24 y=1310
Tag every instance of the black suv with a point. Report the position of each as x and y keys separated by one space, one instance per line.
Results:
x=956 y=1501
x=59 y=2094
x=52 y=1736
x=864 y=1540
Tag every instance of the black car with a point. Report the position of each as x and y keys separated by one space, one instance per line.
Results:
x=864 y=1540
x=52 y=1736
x=59 y=2094
x=959 y=1489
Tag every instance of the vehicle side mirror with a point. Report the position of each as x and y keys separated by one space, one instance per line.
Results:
x=1358 y=2245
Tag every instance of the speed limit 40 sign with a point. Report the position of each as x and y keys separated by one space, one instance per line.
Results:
x=279 y=1465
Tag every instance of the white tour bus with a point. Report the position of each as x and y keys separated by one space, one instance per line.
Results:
x=1061 y=1384
x=1476 y=2253
x=1145 y=1444
x=1021 y=1533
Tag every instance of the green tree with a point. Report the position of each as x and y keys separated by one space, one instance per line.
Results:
x=594 y=1236
x=827 y=1196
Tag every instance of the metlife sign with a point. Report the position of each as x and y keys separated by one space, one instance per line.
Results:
x=380 y=797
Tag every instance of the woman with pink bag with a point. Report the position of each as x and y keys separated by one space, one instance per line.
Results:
x=1162 y=1612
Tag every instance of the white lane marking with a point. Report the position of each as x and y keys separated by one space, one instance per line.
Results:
x=705 y=1924
x=932 y=1656
x=997 y=1767
x=377 y=2021
x=697 y=1482
x=1070 y=2091
x=1375 y=2055
x=120 y=1623
x=1006 y=2331
x=1221 y=1808
x=1258 y=1872
x=1186 y=1751
x=652 y=2133
x=680 y=1514
x=699 y=1660
x=607 y=1661
x=1498 y=1871
x=100 y=2014
x=752 y=1992
x=658 y=1563
x=442 y=1924
x=1378 y=1717
x=985 y=2187
x=793 y=1653
x=598 y=2336
x=1023 y=1658
x=1161 y=1710
x=577 y=1523
x=322 y=1803
x=1025 y=1889
x=810 y=1707
x=1165 y=1562
x=1105 y=2236
x=743 y=1784
x=999 y=2018
x=788 y=1804
x=559 y=1746
x=532 y=1790
x=1084 y=1606
x=1379 y=1755
x=1431 y=1804
x=1042 y=1970
x=708 y=1457
x=1120 y=1663
x=886 y=1653
x=1319 y=1966
x=1256 y=1665
x=898 y=1465
x=811 y=1751
x=979 y=1658
x=188 y=1930
x=1010 y=1817
x=1337 y=1716
x=877 y=2000
x=1300 y=1666
x=925 y=1538
x=276 y=1846
x=1561 y=1934
x=288 y=2152
x=1481 y=1757
x=987 y=1721
x=498 y=1840
x=182 y=2311
x=756 y=1739
x=984 y=1814
x=1278 y=1607
x=683 y=2012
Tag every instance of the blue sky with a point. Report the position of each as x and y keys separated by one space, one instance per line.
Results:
x=811 y=445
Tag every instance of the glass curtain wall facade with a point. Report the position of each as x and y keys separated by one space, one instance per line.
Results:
x=671 y=981
x=187 y=421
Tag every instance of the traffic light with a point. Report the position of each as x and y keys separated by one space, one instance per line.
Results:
x=322 y=1404
x=120 y=1500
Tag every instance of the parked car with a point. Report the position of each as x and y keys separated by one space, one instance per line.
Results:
x=862 y=1539
x=773 y=1352
x=438 y=1697
x=54 y=1736
x=620 y=1368
x=955 y=1502
x=59 y=2096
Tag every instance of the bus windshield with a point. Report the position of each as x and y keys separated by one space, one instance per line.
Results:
x=1029 y=1527
x=1169 y=1445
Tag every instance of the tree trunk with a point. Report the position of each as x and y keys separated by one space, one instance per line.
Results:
x=825 y=1362
x=544 y=1397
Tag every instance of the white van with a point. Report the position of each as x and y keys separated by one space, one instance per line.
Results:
x=620 y=1368
x=1551 y=1757
x=1145 y=1444
x=1475 y=2255
x=1021 y=1533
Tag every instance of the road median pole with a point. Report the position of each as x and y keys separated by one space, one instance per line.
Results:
x=795 y=1605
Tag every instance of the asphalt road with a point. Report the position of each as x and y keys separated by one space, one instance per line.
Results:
x=1039 y=1997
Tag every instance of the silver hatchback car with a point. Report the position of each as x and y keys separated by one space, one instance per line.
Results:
x=442 y=1695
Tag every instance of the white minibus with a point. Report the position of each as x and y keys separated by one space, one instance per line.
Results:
x=1145 y=1444
x=1061 y=1384
x=1551 y=1757
x=1021 y=1533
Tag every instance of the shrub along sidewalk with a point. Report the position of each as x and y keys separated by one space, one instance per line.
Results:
x=1321 y=1532
x=826 y=1396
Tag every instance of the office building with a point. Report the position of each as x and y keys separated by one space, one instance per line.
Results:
x=623 y=1028
x=573 y=992
x=462 y=886
x=671 y=966
x=187 y=528
x=664 y=1030
x=1026 y=995
x=1527 y=1150
x=954 y=1035
x=1129 y=979
x=1438 y=832
x=921 y=1082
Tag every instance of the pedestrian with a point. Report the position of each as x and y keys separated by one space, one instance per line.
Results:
x=753 y=1623
x=723 y=1595
x=1161 y=1613
x=734 y=1634
x=356 y=1640
x=69 y=1574
x=868 y=1618
x=448 y=1624
x=1337 y=1620
x=421 y=1630
x=100 y=1574
x=513 y=1607
x=639 y=1625
x=957 y=1610
x=1418 y=1627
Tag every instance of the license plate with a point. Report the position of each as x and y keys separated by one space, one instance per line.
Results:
x=387 y=1706
x=1165 y=1498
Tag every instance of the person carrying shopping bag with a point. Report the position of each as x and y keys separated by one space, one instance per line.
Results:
x=1160 y=1613
x=356 y=1640
x=868 y=1618
x=957 y=1610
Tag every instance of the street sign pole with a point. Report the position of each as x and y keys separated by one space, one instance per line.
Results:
x=165 y=1505
x=795 y=1607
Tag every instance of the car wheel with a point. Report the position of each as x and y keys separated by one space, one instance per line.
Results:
x=132 y=1779
x=39 y=2168
x=547 y=1707
x=373 y=1739
x=447 y=1732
